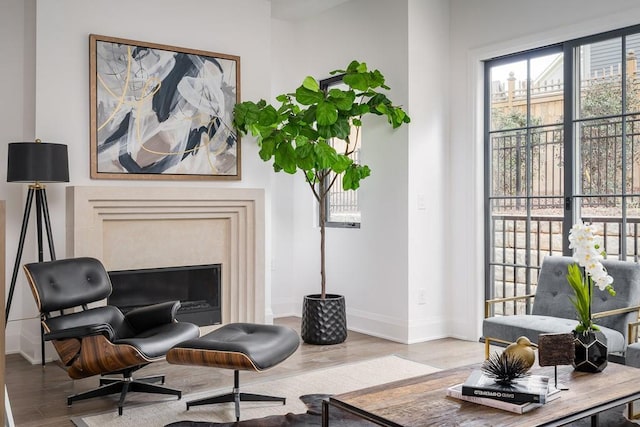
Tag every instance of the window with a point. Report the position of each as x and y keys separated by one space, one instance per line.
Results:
x=342 y=207
x=562 y=143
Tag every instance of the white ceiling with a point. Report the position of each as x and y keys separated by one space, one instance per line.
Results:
x=291 y=10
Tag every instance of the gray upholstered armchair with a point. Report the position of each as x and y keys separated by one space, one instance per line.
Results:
x=553 y=312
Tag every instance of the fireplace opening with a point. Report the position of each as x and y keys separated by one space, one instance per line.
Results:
x=198 y=288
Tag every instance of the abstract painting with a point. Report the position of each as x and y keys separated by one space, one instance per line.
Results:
x=162 y=112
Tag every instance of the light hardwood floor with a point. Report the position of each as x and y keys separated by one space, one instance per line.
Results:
x=38 y=395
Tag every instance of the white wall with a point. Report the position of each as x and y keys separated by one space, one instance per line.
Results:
x=428 y=158
x=17 y=112
x=482 y=30
x=238 y=27
x=283 y=77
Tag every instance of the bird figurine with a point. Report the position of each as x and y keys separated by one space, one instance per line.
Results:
x=522 y=349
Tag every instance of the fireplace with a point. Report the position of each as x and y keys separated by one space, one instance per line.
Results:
x=141 y=227
x=198 y=288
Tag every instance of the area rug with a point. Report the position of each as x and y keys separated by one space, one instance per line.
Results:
x=335 y=380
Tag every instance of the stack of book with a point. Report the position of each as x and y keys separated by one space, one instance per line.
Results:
x=523 y=395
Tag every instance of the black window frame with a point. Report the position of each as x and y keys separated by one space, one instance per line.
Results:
x=570 y=121
x=325 y=85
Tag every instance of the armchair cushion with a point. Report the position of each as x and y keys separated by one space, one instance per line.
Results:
x=552 y=310
x=80 y=332
x=553 y=293
x=509 y=328
x=632 y=358
x=68 y=283
x=155 y=342
x=106 y=315
x=145 y=318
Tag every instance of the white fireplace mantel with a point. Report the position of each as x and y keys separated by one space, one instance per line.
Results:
x=147 y=227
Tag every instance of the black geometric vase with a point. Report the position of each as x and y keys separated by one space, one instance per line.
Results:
x=324 y=321
x=591 y=351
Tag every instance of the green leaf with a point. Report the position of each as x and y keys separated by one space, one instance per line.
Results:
x=267 y=147
x=285 y=157
x=311 y=84
x=582 y=299
x=376 y=79
x=311 y=176
x=245 y=114
x=356 y=67
x=326 y=155
x=308 y=97
x=309 y=133
x=291 y=129
x=268 y=116
x=305 y=157
x=353 y=175
x=309 y=115
x=341 y=129
x=356 y=81
x=342 y=99
x=324 y=132
x=341 y=164
x=326 y=114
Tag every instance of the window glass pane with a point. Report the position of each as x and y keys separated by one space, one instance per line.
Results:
x=600 y=148
x=633 y=79
x=509 y=96
x=508 y=163
x=633 y=229
x=546 y=233
x=547 y=84
x=632 y=158
x=605 y=214
x=343 y=206
x=600 y=78
x=505 y=286
x=547 y=164
x=507 y=222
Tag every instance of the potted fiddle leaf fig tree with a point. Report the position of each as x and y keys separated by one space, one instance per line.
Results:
x=297 y=135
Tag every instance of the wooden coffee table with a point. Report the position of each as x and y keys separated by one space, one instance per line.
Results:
x=422 y=401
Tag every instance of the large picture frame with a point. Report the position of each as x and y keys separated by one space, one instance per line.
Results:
x=162 y=112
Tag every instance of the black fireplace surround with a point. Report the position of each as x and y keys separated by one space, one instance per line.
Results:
x=198 y=287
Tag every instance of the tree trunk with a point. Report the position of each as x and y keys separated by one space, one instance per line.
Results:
x=323 y=217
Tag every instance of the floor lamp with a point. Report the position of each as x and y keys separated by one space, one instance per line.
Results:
x=36 y=163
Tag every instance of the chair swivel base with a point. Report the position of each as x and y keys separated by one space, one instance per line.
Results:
x=123 y=386
x=236 y=397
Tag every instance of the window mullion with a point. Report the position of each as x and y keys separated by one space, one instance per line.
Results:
x=623 y=220
x=570 y=103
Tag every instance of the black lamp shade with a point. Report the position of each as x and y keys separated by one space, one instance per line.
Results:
x=37 y=162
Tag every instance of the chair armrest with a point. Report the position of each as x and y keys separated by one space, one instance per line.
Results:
x=144 y=318
x=632 y=331
x=615 y=311
x=80 y=332
x=489 y=302
x=632 y=327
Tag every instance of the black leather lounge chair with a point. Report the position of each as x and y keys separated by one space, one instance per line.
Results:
x=102 y=340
